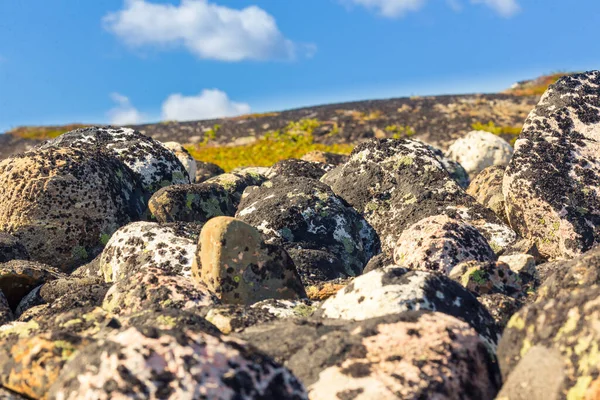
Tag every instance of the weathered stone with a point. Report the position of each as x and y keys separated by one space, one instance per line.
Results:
x=478 y=150
x=326 y=238
x=191 y=203
x=235 y=184
x=396 y=183
x=379 y=261
x=298 y=168
x=140 y=245
x=152 y=288
x=486 y=188
x=184 y=157
x=551 y=184
x=439 y=243
x=500 y=306
x=6 y=314
x=6 y=394
x=236 y=264
x=168 y=319
x=11 y=248
x=399 y=356
x=454 y=169
x=522 y=264
x=189 y=364
x=19 y=277
x=89 y=270
x=154 y=165
x=325 y=157
x=393 y=290
x=487 y=278
x=63 y=204
x=206 y=170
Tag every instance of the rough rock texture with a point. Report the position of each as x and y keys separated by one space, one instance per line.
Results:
x=487 y=278
x=63 y=204
x=567 y=325
x=393 y=290
x=139 y=245
x=299 y=168
x=234 y=261
x=325 y=157
x=154 y=165
x=522 y=264
x=396 y=183
x=152 y=288
x=161 y=364
x=478 y=150
x=11 y=248
x=6 y=314
x=501 y=307
x=19 y=277
x=408 y=356
x=326 y=238
x=551 y=184
x=206 y=170
x=454 y=169
x=486 y=188
x=8 y=395
x=439 y=243
x=184 y=158
x=191 y=203
x=379 y=261
x=236 y=183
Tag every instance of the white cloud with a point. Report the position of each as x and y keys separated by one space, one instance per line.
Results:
x=207 y=30
x=210 y=103
x=124 y=113
x=398 y=8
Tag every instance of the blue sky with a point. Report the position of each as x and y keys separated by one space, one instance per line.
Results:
x=127 y=61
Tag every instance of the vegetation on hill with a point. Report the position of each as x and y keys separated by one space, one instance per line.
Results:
x=535 y=87
x=42 y=132
x=508 y=133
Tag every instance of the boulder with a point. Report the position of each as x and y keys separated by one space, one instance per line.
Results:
x=325 y=157
x=184 y=157
x=486 y=188
x=19 y=277
x=11 y=248
x=552 y=184
x=236 y=183
x=206 y=170
x=487 y=278
x=234 y=262
x=298 y=168
x=478 y=150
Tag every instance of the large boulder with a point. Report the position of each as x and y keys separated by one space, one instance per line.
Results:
x=11 y=248
x=486 y=188
x=184 y=157
x=64 y=203
x=298 y=168
x=396 y=183
x=305 y=217
x=478 y=150
x=552 y=183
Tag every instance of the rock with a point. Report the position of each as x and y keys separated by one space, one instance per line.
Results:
x=152 y=288
x=486 y=188
x=379 y=261
x=231 y=318
x=191 y=203
x=396 y=183
x=206 y=170
x=325 y=157
x=140 y=245
x=154 y=165
x=399 y=356
x=551 y=184
x=189 y=364
x=8 y=395
x=439 y=243
x=63 y=204
x=522 y=264
x=393 y=290
x=235 y=184
x=184 y=158
x=487 y=278
x=89 y=270
x=169 y=319
x=236 y=264
x=500 y=306
x=478 y=150
x=11 y=248
x=298 y=168
x=6 y=314
x=255 y=172
x=454 y=169
x=19 y=277
x=324 y=290
x=567 y=326
x=326 y=238
x=525 y=246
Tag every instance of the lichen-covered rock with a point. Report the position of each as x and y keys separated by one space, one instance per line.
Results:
x=304 y=214
x=191 y=203
x=237 y=318
x=234 y=262
x=454 y=169
x=379 y=261
x=486 y=188
x=298 y=168
x=407 y=356
x=500 y=306
x=487 y=278
x=63 y=204
x=478 y=150
x=168 y=319
x=6 y=314
x=11 y=248
x=325 y=157
x=184 y=157
x=152 y=288
x=522 y=264
x=8 y=395
x=206 y=170
x=396 y=183
x=439 y=243
x=139 y=245
x=19 y=277
x=157 y=364
x=89 y=270
x=29 y=366
x=568 y=325
x=393 y=290
x=236 y=183
x=153 y=164
x=551 y=185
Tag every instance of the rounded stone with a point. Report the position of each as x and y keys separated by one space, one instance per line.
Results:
x=19 y=277
x=478 y=150
x=11 y=248
x=486 y=188
x=206 y=170
x=184 y=157
x=298 y=168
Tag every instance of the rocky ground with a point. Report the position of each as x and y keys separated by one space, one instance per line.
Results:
x=456 y=267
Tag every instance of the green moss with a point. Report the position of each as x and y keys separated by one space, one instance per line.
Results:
x=303 y=310
x=510 y=133
x=79 y=252
x=189 y=200
x=104 y=238
x=478 y=277
x=400 y=131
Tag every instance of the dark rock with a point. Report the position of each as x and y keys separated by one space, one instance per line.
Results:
x=298 y=168
x=11 y=248
x=206 y=170
x=19 y=277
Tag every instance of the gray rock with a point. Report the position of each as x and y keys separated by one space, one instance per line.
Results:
x=478 y=150
x=299 y=168
x=11 y=248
